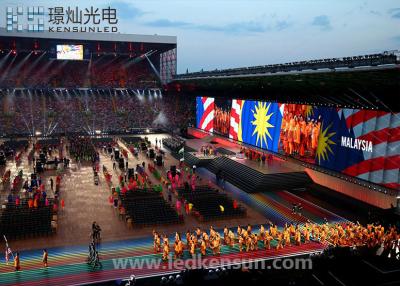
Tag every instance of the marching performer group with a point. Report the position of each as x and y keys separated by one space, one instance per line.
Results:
x=346 y=234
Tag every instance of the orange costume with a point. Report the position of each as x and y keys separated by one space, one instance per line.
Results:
x=44 y=259
x=17 y=265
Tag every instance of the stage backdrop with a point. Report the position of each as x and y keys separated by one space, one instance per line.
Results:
x=360 y=143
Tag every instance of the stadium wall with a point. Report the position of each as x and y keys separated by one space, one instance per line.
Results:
x=358 y=192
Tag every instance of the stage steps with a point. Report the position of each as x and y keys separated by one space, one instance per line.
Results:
x=253 y=181
x=193 y=160
x=242 y=176
x=283 y=181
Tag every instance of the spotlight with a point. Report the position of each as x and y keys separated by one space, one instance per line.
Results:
x=131 y=281
x=164 y=280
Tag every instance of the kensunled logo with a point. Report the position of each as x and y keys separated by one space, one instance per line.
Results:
x=60 y=19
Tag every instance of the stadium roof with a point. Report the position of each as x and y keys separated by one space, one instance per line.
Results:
x=371 y=88
x=107 y=37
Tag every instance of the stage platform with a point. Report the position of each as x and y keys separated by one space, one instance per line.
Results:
x=276 y=165
x=67 y=265
x=249 y=175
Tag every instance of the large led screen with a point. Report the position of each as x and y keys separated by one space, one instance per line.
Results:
x=69 y=52
x=359 y=143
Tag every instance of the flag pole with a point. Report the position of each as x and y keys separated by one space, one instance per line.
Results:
x=7 y=247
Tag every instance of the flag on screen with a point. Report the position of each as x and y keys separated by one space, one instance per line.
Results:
x=205 y=113
x=236 y=112
x=360 y=143
x=260 y=124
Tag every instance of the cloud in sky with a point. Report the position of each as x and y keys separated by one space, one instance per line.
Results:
x=395 y=13
x=126 y=10
x=238 y=27
x=165 y=23
x=282 y=25
x=397 y=39
x=322 y=21
x=253 y=26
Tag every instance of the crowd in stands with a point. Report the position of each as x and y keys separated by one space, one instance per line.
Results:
x=38 y=71
x=108 y=111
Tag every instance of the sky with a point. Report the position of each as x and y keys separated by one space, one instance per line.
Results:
x=217 y=34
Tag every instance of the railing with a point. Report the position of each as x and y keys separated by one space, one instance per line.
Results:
x=334 y=63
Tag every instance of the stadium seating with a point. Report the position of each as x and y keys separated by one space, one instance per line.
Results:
x=146 y=207
x=207 y=204
x=22 y=221
x=81 y=112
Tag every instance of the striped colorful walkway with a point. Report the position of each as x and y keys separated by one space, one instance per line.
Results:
x=277 y=206
x=67 y=265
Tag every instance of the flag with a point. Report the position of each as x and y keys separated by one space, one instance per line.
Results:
x=260 y=124
x=360 y=143
x=236 y=112
x=8 y=250
x=205 y=113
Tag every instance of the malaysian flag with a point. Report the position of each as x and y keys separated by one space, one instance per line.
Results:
x=205 y=113
x=361 y=143
x=236 y=113
x=382 y=129
x=8 y=251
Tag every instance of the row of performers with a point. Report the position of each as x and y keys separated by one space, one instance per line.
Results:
x=337 y=235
